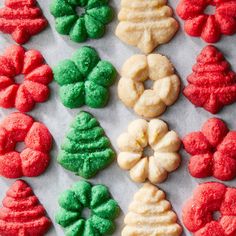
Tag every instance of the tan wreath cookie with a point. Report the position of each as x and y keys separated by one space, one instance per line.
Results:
x=164 y=143
x=150 y=102
x=146 y=23
x=151 y=214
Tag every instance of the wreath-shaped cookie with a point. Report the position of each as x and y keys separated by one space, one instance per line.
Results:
x=164 y=143
x=212 y=150
x=37 y=75
x=103 y=210
x=89 y=24
x=207 y=199
x=85 y=79
x=209 y=27
x=131 y=88
x=34 y=159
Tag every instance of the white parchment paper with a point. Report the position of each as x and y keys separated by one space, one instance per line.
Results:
x=182 y=116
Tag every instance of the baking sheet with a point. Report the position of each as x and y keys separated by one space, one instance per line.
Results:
x=182 y=116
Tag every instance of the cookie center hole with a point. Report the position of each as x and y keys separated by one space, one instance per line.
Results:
x=210 y=10
x=148 y=151
x=148 y=84
x=19 y=79
x=80 y=11
x=20 y=146
x=86 y=213
x=216 y=215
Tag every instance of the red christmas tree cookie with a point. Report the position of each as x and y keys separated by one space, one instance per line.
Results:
x=34 y=159
x=209 y=27
x=37 y=75
x=22 y=214
x=22 y=19
x=213 y=151
x=212 y=84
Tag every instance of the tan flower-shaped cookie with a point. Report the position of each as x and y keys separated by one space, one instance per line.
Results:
x=151 y=214
x=166 y=84
x=146 y=24
x=163 y=142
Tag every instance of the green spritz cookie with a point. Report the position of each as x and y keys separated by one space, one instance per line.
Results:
x=85 y=149
x=89 y=24
x=85 y=79
x=103 y=210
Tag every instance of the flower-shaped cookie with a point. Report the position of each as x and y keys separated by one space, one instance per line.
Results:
x=207 y=199
x=37 y=75
x=89 y=24
x=213 y=151
x=163 y=142
x=85 y=79
x=146 y=24
x=103 y=210
x=34 y=158
x=209 y=27
x=131 y=88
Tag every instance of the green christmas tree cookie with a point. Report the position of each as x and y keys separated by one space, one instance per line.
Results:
x=103 y=210
x=86 y=149
x=84 y=79
x=89 y=24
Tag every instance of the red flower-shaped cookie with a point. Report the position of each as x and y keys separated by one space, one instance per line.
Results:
x=34 y=159
x=22 y=214
x=209 y=198
x=37 y=75
x=213 y=151
x=208 y=27
x=22 y=19
x=212 y=84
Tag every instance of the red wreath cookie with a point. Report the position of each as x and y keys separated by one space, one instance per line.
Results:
x=213 y=151
x=34 y=159
x=22 y=19
x=208 y=198
x=208 y=27
x=212 y=84
x=37 y=76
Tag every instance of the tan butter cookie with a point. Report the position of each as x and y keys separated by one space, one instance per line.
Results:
x=163 y=142
x=150 y=214
x=146 y=23
x=136 y=70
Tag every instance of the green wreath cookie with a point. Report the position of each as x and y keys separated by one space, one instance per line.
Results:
x=84 y=79
x=103 y=210
x=90 y=24
x=85 y=149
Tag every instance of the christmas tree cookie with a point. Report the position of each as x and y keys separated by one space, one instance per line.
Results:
x=89 y=24
x=151 y=214
x=22 y=214
x=22 y=19
x=86 y=149
x=103 y=210
x=85 y=79
x=212 y=84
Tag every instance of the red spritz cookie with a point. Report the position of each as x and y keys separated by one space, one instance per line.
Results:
x=209 y=27
x=209 y=198
x=22 y=214
x=212 y=84
x=22 y=19
x=213 y=151
x=37 y=76
x=34 y=159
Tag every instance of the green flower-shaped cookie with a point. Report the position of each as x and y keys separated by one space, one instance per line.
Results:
x=103 y=210
x=84 y=79
x=86 y=149
x=90 y=24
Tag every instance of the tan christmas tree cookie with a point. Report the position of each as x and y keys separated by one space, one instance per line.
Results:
x=151 y=214
x=163 y=142
x=135 y=72
x=146 y=24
